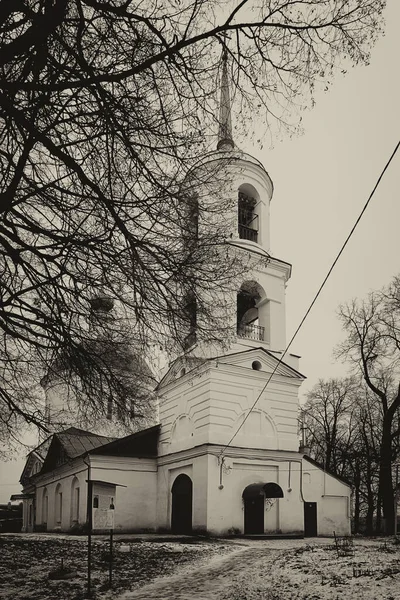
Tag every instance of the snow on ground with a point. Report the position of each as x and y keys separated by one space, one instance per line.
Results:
x=314 y=571
x=226 y=570
x=28 y=563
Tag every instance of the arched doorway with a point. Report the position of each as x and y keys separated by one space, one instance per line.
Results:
x=182 y=499
x=257 y=499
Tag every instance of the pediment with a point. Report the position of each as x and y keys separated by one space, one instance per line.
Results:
x=35 y=460
x=246 y=358
x=261 y=360
x=179 y=368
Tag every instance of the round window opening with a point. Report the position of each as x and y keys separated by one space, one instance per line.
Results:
x=256 y=365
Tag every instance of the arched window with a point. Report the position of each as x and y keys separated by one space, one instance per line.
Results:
x=58 y=504
x=45 y=506
x=75 y=500
x=252 y=320
x=248 y=218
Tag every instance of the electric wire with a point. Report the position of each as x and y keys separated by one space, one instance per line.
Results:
x=316 y=295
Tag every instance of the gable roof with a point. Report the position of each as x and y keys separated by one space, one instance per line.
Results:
x=72 y=443
x=69 y=444
x=141 y=444
x=37 y=455
x=77 y=441
x=328 y=471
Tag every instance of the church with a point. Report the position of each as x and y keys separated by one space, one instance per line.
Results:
x=223 y=456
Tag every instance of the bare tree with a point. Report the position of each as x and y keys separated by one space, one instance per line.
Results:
x=372 y=347
x=343 y=430
x=105 y=106
x=329 y=421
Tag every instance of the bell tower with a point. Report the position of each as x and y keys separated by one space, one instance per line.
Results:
x=256 y=315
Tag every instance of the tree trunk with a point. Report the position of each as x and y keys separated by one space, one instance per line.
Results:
x=369 y=521
x=378 y=524
x=385 y=480
x=357 y=479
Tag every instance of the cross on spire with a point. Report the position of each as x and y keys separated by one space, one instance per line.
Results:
x=225 y=138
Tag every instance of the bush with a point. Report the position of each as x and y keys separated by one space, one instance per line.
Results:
x=79 y=529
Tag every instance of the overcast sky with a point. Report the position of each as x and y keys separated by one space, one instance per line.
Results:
x=322 y=180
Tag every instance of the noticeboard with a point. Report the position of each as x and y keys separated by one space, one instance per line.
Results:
x=103 y=507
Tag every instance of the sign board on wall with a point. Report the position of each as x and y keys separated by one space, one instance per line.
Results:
x=103 y=505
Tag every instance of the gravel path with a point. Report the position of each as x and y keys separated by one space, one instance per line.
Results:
x=208 y=580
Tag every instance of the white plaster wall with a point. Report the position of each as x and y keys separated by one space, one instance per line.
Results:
x=50 y=482
x=216 y=180
x=220 y=510
x=136 y=496
x=197 y=469
x=209 y=405
x=287 y=516
x=61 y=406
x=226 y=512
x=233 y=392
x=272 y=277
x=28 y=505
x=188 y=397
x=332 y=497
x=332 y=518
x=219 y=177
x=136 y=493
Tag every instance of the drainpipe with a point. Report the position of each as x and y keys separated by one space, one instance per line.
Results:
x=89 y=519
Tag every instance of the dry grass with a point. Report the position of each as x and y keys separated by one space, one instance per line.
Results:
x=28 y=561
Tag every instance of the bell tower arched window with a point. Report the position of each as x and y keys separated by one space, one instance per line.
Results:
x=248 y=219
x=251 y=321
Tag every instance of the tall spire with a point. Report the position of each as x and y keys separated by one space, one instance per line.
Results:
x=225 y=139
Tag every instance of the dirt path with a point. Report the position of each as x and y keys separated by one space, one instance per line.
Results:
x=208 y=580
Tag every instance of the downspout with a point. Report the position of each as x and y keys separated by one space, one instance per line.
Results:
x=89 y=520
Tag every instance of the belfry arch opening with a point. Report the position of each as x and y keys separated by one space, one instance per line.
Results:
x=252 y=312
x=248 y=213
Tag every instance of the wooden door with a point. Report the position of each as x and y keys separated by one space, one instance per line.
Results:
x=310 y=519
x=254 y=515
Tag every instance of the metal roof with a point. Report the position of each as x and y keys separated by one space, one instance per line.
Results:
x=77 y=441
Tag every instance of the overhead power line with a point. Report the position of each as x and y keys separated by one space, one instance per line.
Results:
x=317 y=294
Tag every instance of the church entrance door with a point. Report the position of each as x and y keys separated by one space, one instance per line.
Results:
x=310 y=519
x=182 y=500
x=254 y=515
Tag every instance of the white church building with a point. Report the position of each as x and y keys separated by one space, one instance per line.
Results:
x=223 y=456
